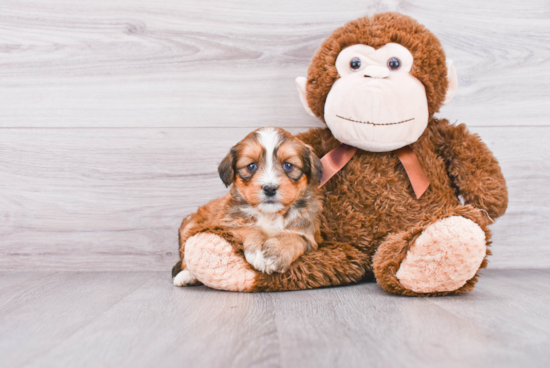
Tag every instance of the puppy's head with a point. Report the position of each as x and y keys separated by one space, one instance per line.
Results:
x=271 y=169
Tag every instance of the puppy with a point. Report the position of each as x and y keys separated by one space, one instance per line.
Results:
x=274 y=204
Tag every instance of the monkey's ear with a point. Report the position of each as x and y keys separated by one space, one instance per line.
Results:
x=226 y=171
x=301 y=85
x=453 y=82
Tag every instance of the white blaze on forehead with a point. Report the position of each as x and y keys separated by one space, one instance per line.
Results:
x=270 y=139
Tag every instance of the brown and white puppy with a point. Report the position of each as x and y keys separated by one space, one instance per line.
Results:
x=273 y=205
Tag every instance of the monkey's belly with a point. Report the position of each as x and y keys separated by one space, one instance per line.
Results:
x=363 y=215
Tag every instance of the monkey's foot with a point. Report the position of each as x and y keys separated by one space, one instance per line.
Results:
x=439 y=259
x=446 y=255
x=214 y=262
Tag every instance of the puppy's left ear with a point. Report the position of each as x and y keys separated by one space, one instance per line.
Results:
x=316 y=165
x=226 y=170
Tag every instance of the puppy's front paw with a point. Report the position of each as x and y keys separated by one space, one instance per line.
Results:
x=185 y=278
x=271 y=258
x=256 y=259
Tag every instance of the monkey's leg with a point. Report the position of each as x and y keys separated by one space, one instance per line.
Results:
x=217 y=260
x=440 y=258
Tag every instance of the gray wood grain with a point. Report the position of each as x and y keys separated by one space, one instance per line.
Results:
x=48 y=308
x=521 y=238
x=141 y=320
x=173 y=84
x=159 y=325
x=113 y=199
x=8 y=281
x=363 y=326
x=224 y=64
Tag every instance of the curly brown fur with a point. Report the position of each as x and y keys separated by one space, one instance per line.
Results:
x=473 y=169
x=370 y=204
x=331 y=265
x=394 y=248
x=429 y=58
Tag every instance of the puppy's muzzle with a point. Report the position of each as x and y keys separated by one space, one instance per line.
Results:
x=270 y=190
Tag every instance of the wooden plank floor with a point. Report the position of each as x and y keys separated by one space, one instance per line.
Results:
x=129 y=319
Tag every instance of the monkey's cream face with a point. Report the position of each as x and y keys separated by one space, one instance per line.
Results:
x=376 y=104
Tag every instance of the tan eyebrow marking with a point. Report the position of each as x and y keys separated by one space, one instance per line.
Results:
x=368 y=122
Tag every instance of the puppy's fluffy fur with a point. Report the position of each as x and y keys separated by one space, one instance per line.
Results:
x=273 y=205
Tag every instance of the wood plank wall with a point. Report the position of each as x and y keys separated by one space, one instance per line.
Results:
x=114 y=114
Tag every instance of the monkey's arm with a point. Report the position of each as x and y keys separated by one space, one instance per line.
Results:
x=216 y=258
x=331 y=265
x=472 y=168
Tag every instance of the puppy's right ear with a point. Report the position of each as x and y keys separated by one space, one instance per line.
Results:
x=226 y=170
x=316 y=165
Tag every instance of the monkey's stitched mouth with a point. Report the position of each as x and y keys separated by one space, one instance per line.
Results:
x=368 y=122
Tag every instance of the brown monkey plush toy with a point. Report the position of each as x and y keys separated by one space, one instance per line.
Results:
x=408 y=197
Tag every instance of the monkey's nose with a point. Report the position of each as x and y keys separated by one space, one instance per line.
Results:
x=270 y=190
x=376 y=72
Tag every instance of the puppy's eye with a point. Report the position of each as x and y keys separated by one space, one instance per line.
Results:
x=355 y=63
x=252 y=167
x=394 y=63
x=288 y=167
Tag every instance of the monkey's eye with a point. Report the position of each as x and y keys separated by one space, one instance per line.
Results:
x=288 y=167
x=252 y=167
x=355 y=63
x=394 y=63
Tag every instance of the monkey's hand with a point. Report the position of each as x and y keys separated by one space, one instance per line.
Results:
x=473 y=169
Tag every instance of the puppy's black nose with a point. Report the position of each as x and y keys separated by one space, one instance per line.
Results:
x=270 y=190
